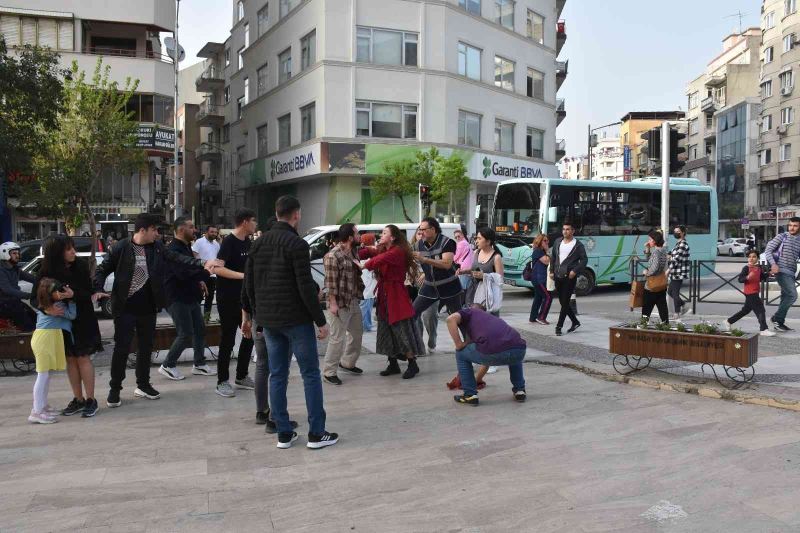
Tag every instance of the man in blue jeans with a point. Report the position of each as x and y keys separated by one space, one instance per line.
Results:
x=487 y=340
x=782 y=253
x=284 y=301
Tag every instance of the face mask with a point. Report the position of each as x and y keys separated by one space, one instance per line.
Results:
x=677 y=235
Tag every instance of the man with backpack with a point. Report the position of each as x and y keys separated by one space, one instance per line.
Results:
x=782 y=253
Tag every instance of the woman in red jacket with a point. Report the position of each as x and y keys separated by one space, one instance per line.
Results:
x=392 y=262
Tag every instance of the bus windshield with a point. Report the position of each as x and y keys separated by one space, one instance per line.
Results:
x=516 y=210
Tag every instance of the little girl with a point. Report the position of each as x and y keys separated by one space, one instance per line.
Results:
x=50 y=341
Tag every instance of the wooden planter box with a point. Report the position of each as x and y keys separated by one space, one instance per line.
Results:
x=165 y=336
x=725 y=350
x=16 y=346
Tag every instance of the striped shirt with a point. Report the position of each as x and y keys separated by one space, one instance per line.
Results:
x=789 y=247
x=679 y=261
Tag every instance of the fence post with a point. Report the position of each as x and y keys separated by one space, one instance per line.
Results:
x=695 y=285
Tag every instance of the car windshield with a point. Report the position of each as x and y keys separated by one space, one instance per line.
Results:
x=516 y=210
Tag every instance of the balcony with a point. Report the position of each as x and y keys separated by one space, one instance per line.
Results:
x=562 y=68
x=710 y=135
x=561 y=111
x=561 y=148
x=210 y=49
x=210 y=80
x=561 y=35
x=560 y=7
x=716 y=80
x=710 y=104
x=208 y=152
x=154 y=71
x=210 y=115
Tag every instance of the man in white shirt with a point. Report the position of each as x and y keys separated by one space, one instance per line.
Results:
x=206 y=248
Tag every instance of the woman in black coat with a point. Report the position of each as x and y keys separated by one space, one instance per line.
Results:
x=60 y=262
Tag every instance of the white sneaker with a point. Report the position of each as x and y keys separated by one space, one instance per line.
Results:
x=684 y=310
x=767 y=333
x=171 y=373
x=41 y=418
x=492 y=370
x=204 y=370
x=725 y=326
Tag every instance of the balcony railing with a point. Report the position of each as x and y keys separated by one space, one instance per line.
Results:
x=210 y=79
x=208 y=114
x=561 y=145
x=561 y=68
x=207 y=152
x=560 y=107
x=125 y=52
x=710 y=103
x=561 y=35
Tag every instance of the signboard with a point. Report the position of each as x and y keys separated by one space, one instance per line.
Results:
x=745 y=226
x=626 y=159
x=154 y=137
x=770 y=215
x=497 y=168
x=294 y=163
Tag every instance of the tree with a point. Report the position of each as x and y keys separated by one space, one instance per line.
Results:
x=399 y=179
x=449 y=179
x=95 y=135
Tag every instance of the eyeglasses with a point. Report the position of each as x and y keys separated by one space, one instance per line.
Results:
x=423 y=229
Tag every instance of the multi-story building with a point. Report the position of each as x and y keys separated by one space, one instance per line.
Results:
x=607 y=158
x=728 y=80
x=574 y=168
x=311 y=98
x=634 y=148
x=128 y=41
x=779 y=188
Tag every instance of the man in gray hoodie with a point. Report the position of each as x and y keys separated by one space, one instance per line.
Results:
x=11 y=306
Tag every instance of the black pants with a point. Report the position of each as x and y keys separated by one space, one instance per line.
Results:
x=211 y=283
x=124 y=327
x=674 y=292
x=230 y=318
x=565 y=288
x=753 y=303
x=655 y=299
x=19 y=314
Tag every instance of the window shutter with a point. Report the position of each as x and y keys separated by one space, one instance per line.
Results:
x=28 y=31
x=47 y=33
x=65 y=35
x=9 y=28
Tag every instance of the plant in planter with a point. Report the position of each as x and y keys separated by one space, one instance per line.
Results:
x=663 y=326
x=681 y=327
x=736 y=332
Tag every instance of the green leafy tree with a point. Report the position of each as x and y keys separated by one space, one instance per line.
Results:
x=450 y=180
x=95 y=136
x=399 y=179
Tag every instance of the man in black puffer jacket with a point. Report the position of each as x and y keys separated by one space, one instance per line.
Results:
x=284 y=301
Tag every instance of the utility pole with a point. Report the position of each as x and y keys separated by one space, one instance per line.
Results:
x=589 y=149
x=175 y=59
x=665 y=153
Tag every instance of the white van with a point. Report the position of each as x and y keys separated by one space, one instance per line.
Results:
x=321 y=238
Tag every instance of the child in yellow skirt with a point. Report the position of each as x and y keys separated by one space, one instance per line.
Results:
x=51 y=339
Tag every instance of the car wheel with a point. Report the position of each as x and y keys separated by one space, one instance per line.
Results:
x=585 y=283
x=730 y=252
x=105 y=307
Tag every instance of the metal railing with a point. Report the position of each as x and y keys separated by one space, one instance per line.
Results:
x=211 y=73
x=207 y=109
x=125 y=52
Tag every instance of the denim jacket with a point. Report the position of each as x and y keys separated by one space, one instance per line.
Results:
x=45 y=321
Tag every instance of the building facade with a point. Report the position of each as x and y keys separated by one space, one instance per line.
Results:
x=634 y=149
x=574 y=168
x=607 y=159
x=128 y=41
x=312 y=98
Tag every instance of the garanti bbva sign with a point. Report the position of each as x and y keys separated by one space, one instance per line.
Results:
x=295 y=163
x=496 y=168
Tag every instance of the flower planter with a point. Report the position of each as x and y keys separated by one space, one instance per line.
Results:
x=16 y=346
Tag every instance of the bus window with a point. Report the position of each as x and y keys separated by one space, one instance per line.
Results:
x=692 y=209
x=516 y=210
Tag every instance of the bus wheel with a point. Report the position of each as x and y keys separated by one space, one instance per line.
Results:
x=585 y=283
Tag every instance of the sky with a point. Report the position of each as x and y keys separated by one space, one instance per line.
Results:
x=624 y=55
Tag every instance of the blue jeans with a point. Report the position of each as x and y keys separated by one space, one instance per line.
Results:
x=465 y=280
x=190 y=330
x=470 y=355
x=281 y=343
x=788 y=296
x=366 y=313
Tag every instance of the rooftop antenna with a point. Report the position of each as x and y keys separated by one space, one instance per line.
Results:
x=740 y=15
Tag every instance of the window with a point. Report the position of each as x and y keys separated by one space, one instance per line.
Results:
x=394 y=121
x=694 y=127
x=261 y=140
x=226 y=95
x=472 y=6
x=239 y=106
x=769 y=20
x=534 y=143
x=535 y=84
x=240 y=58
x=246 y=91
x=44 y=32
x=284 y=132
x=469 y=61
x=692 y=152
x=694 y=99
x=787 y=79
x=766 y=123
x=469 y=129
x=709 y=121
x=226 y=133
x=285 y=65
x=535 y=27
x=261 y=79
x=227 y=57
x=765 y=157
x=504 y=13
x=308 y=122
x=285 y=8
x=768 y=55
x=503 y=136
x=308 y=50
x=787 y=115
x=246 y=34
x=786 y=152
x=263 y=19
x=504 y=73
x=241 y=155
x=239 y=10
x=386 y=47
x=790 y=6
x=788 y=42
x=766 y=89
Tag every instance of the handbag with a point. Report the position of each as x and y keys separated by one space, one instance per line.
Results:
x=657 y=283
x=637 y=294
x=527 y=272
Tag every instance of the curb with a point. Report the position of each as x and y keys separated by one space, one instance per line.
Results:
x=674 y=385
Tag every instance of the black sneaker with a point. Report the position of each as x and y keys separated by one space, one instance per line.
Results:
x=90 y=409
x=113 y=398
x=558 y=332
x=393 y=368
x=355 y=370
x=74 y=407
x=285 y=440
x=333 y=380
x=412 y=369
x=261 y=418
x=469 y=400
x=782 y=327
x=575 y=326
x=316 y=442
x=147 y=391
x=520 y=395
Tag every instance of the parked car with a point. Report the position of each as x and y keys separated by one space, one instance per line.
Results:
x=102 y=306
x=29 y=250
x=732 y=246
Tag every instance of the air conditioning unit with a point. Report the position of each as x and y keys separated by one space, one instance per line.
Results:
x=782 y=129
x=786 y=91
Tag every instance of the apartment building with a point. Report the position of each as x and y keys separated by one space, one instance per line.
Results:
x=128 y=40
x=779 y=186
x=313 y=97
x=607 y=159
x=634 y=148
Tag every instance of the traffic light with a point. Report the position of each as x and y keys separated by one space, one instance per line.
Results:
x=425 y=195
x=675 y=164
x=653 y=138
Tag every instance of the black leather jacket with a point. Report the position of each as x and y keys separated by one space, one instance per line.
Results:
x=575 y=262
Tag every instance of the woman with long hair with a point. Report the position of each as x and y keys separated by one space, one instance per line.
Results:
x=398 y=333
x=541 y=262
x=487 y=259
x=60 y=262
